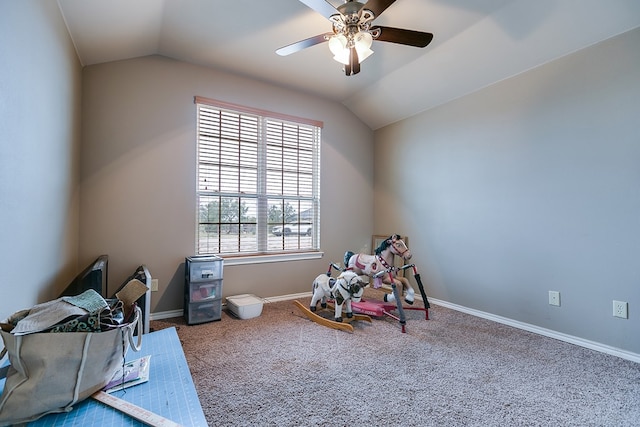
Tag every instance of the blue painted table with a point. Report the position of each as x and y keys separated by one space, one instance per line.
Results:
x=169 y=393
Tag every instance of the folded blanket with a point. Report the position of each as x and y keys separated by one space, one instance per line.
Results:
x=46 y=315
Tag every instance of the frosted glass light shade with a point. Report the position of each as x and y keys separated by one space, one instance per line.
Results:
x=363 y=42
x=338 y=46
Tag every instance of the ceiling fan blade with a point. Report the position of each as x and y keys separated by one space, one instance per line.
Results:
x=303 y=44
x=401 y=36
x=323 y=7
x=378 y=6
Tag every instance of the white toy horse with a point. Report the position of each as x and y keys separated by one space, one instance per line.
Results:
x=382 y=260
x=345 y=288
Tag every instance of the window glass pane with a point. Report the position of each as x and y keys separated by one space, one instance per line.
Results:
x=249 y=225
x=209 y=227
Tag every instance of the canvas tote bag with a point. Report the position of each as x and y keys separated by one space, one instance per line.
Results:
x=51 y=371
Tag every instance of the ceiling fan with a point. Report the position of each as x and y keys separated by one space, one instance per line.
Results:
x=353 y=33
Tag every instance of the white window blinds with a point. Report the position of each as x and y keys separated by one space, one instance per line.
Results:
x=258 y=181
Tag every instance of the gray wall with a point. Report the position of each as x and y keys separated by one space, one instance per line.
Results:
x=138 y=174
x=39 y=148
x=527 y=186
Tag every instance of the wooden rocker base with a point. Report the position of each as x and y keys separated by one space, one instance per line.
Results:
x=343 y=326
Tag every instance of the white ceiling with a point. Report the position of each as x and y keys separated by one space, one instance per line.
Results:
x=476 y=43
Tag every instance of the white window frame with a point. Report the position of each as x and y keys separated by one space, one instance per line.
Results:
x=257 y=184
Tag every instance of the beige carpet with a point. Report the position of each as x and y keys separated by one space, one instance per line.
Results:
x=281 y=369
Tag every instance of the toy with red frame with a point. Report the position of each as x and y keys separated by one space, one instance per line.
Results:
x=385 y=308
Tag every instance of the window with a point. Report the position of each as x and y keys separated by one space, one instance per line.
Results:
x=258 y=189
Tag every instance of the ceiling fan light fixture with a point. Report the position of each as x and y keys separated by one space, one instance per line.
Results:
x=339 y=46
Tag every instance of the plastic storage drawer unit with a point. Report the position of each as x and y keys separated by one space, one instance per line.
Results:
x=202 y=289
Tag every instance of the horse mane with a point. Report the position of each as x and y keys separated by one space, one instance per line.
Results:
x=385 y=243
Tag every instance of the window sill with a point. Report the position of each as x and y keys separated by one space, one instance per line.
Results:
x=262 y=259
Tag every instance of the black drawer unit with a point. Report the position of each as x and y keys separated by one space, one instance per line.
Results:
x=202 y=289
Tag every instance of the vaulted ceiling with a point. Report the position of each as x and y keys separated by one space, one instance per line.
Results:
x=476 y=43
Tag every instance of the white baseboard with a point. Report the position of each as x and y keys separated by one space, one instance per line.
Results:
x=603 y=348
x=166 y=314
x=287 y=297
x=634 y=357
x=179 y=313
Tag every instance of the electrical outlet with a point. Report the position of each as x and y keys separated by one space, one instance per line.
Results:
x=154 y=285
x=554 y=298
x=620 y=309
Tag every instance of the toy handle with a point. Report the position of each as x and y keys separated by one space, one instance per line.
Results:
x=415 y=270
x=383 y=272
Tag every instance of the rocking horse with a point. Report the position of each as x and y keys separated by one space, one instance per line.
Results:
x=374 y=265
x=346 y=288
x=342 y=291
x=381 y=269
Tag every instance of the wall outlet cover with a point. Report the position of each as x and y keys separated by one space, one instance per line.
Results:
x=620 y=309
x=554 y=298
